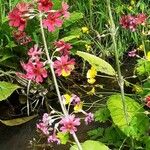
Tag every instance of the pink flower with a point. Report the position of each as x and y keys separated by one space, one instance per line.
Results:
x=132 y=53
x=15 y=19
x=69 y=124
x=63 y=47
x=89 y=118
x=148 y=101
x=34 y=71
x=75 y=99
x=23 y=7
x=34 y=52
x=128 y=22
x=43 y=127
x=141 y=18
x=64 y=66
x=53 y=138
x=52 y=21
x=64 y=10
x=45 y=5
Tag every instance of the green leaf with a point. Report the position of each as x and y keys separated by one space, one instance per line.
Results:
x=6 y=89
x=18 y=121
x=138 y=122
x=74 y=17
x=99 y=64
x=63 y=137
x=102 y=114
x=91 y=145
x=69 y=38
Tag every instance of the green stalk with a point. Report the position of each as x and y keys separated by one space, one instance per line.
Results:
x=55 y=80
x=120 y=77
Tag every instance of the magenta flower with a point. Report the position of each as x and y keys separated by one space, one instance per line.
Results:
x=64 y=10
x=43 y=127
x=64 y=66
x=69 y=124
x=63 y=47
x=45 y=5
x=52 y=21
x=52 y=138
x=132 y=53
x=34 y=71
x=75 y=99
x=34 y=52
x=89 y=118
x=148 y=101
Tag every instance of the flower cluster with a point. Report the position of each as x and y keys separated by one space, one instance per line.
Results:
x=34 y=68
x=54 y=124
x=132 y=21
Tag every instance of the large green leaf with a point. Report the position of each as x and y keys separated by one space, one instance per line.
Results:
x=137 y=122
x=17 y=121
x=99 y=64
x=6 y=89
x=91 y=145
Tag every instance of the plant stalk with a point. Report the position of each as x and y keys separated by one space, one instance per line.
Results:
x=55 y=80
x=120 y=77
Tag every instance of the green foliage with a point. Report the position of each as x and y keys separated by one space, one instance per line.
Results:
x=138 y=122
x=99 y=64
x=74 y=17
x=6 y=89
x=91 y=145
x=64 y=137
x=17 y=121
x=143 y=67
x=102 y=114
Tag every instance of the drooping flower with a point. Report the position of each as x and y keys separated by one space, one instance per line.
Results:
x=89 y=118
x=64 y=10
x=69 y=124
x=132 y=53
x=53 y=138
x=21 y=37
x=64 y=66
x=52 y=21
x=34 y=52
x=78 y=107
x=43 y=127
x=63 y=47
x=75 y=99
x=45 y=5
x=34 y=71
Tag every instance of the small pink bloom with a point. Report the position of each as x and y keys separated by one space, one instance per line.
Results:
x=132 y=53
x=45 y=5
x=23 y=7
x=141 y=18
x=34 y=52
x=89 y=118
x=43 y=127
x=147 y=101
x=75 y=99
x=128 y=22
x=53 y=138
x=64 y=10
x=15 y=19
x=35 y=71
x=52 y=21
x=63 y=47
x=64 y=66
x=69 y=124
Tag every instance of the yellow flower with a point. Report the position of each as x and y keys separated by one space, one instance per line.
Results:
x=65 y=74
x=88 y=47
x=148 y=56
x=92 y=92
x=78 y=107
x=85 y=30
x=91 y=80
x=67 y=98
x=133 y=2
x=137 y=88
x=91 y=73
x=141 y=48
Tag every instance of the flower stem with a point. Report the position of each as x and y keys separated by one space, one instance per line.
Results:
x=120 y=77
x=64 y=110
